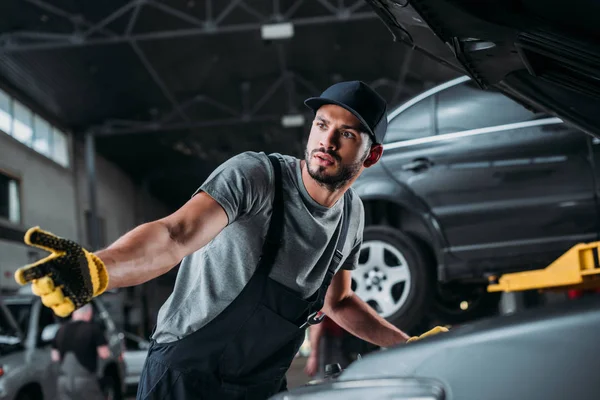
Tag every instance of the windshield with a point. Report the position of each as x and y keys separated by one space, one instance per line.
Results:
x=9 y=336
x=21 y=313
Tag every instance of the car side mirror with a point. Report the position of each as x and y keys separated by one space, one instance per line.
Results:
x=49 y=332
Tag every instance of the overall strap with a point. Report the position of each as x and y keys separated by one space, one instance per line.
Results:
x=274 y=236
x=314 y=317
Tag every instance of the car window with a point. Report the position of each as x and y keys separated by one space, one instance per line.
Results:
x=464 y=107
x=21 y=312
x=46 y=318
x=7 y=329
x=413 y=123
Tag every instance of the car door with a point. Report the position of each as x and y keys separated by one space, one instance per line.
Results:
x=510 y=189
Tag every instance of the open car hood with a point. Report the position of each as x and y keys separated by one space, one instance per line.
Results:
x=543 y=54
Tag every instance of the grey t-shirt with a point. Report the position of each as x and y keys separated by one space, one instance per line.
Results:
x=212 y=277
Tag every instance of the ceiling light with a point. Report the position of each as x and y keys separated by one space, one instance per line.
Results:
x=292 y=120
x=284 y=30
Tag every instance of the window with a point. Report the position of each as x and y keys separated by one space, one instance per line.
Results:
x=413 y=123
x=22 y=123
x=46 y=318
x=464 y=107
x=21 y=312
x=60 y=147
x=19 y=121
x=10 y=203
x=5 y=113
x=42 y=141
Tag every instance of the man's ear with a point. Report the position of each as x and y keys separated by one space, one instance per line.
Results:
x=374 y=155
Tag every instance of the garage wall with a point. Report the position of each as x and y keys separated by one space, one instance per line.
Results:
x=55 y=198
x=120 y=201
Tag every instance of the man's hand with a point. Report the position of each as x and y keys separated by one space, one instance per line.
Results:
x=68 y=278
x=312 y=365
x=430 y=332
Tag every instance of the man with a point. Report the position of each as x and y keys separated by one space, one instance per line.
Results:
x=265 y=243
x=77 y=346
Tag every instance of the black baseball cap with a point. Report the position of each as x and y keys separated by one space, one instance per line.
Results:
x=361 y=100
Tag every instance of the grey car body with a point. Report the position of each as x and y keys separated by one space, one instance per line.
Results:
x=29 y=372
x=537 y=354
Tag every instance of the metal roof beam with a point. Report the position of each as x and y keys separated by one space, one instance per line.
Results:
x=153 y=127
x=110 y=18
x=159 y=82
x=176 y=13
x=71 y=17
x=77 y=40
x=288 y=78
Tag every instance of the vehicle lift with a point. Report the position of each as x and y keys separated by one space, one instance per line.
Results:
x=578 y=268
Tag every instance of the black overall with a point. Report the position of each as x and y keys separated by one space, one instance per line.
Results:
x=244 y=352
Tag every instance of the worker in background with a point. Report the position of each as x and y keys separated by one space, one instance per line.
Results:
x=326 y=347
x=77 y=346
x=264 y=243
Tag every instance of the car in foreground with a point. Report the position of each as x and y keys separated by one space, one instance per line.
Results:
x=27 y=329
x=546 y=353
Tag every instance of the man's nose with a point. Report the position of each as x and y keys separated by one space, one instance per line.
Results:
x=329 y=139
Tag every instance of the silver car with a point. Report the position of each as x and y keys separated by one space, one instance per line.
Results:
x=27 y=329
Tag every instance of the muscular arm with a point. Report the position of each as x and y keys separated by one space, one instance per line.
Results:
x=152 y=249
x=356 y=316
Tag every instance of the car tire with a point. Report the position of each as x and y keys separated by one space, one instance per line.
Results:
x=391 y=259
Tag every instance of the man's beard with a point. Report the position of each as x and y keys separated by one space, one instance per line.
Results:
x=336 y=181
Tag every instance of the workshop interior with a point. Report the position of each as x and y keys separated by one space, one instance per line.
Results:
x=481 y=217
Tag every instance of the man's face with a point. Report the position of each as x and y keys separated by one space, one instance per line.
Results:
x=337 y=148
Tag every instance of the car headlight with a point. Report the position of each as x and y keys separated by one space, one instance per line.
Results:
x=384 y=388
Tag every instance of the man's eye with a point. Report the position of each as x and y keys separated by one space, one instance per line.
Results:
x=347 y=134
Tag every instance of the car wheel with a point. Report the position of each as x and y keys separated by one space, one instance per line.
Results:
x=393 y=276
x=458 y=303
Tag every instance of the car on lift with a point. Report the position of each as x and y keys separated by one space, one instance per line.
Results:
x=471 y=184
x=27 y=329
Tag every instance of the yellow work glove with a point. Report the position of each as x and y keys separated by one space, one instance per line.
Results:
x=431 y=332
x=68 y=278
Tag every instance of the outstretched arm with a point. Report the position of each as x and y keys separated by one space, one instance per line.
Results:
x=152 y=249
x=356 y=316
